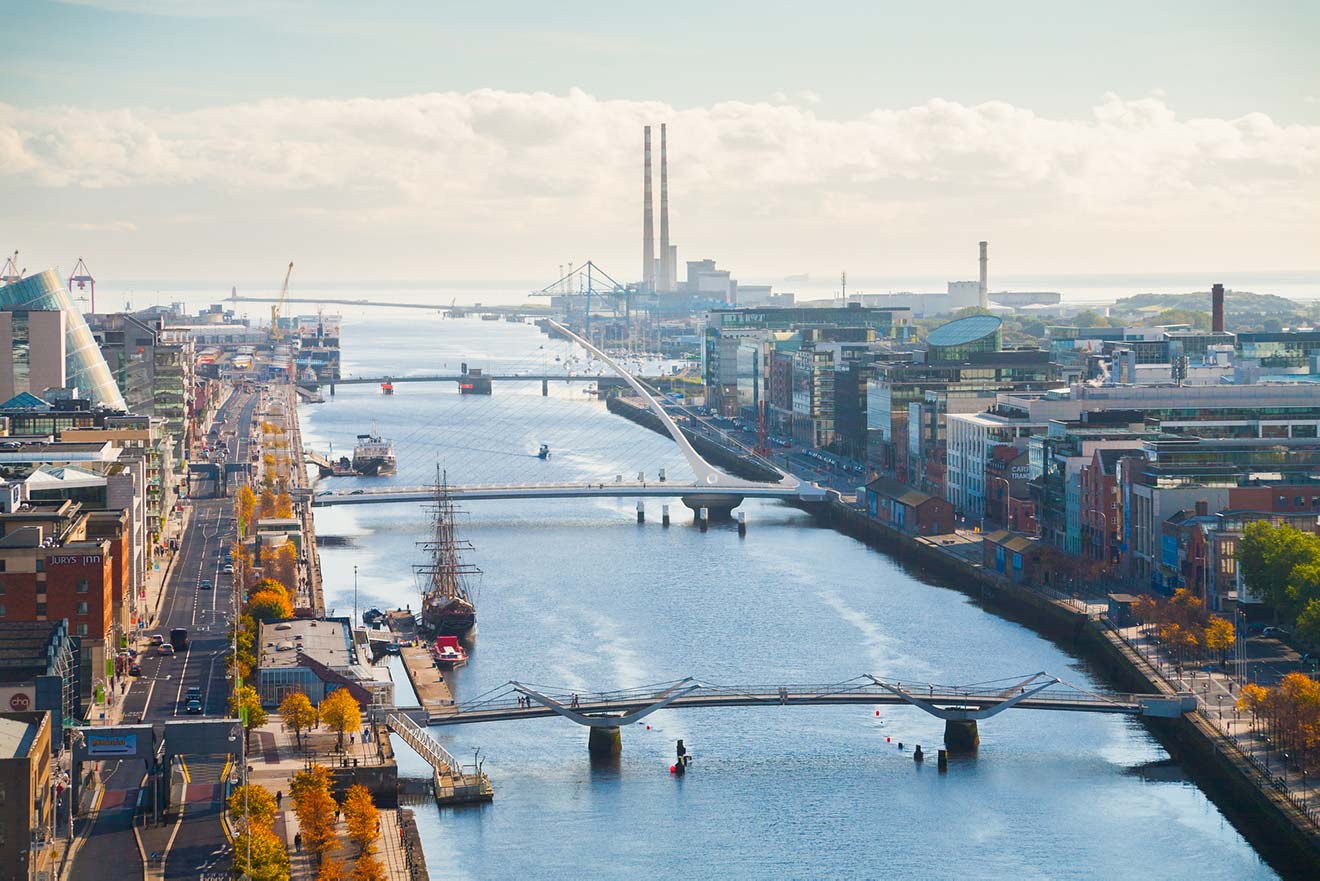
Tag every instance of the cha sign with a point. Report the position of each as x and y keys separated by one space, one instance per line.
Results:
x=102 y=745
x=18 y=700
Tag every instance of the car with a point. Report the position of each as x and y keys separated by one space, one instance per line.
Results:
x=134 y=669
x=194 y=693
x=229 y=569
x=358 y=492
x=194 y=707
x=166 y=649
x=1274 y=631
x=157 y=638
x=206 y=584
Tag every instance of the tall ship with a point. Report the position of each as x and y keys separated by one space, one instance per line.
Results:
x=373 y=454
x=448 y=608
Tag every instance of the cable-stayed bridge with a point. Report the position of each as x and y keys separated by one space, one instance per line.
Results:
x=709 y=487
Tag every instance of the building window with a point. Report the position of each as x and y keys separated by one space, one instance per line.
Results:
x=41 y=564
x=82 y=629
x=41 y=608
x=82 y=586
x=82 y=608
x=1298 y=501
x=3 y=611
x=1283 y=500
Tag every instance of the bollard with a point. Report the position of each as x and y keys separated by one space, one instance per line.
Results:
x=664 y=515
x=641 y=512
x=742 y=524
x=703 y=518
x=942 y=759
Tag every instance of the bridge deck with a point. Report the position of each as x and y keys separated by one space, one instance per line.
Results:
x=1131 y=705
x=624 y=489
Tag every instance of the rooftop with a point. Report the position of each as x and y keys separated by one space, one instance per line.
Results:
x=964 y=330
x=17 y=736
x=283 y=643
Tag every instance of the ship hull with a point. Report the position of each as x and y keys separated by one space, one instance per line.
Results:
x=373 y=467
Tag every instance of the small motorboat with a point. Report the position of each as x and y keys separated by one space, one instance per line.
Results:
x=544 y=452
x=449 y=653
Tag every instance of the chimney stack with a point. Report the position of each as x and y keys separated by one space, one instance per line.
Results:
x=1217 y=308
x=648 y=223
x=666 y=269
x=985 y=290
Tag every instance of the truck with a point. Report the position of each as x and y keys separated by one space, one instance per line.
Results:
x=179 y=638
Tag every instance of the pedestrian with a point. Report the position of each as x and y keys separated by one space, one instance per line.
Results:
x=351 y=738
x=279 y=797
x=297 y=842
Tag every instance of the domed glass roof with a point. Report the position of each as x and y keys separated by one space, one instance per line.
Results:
x=964 y=330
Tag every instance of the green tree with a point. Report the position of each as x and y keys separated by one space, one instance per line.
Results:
x=270 y=858
x=298 y=714
x=1267 y=555
x=246 y=704
x=253 y=803
x=342 y=713
x=1198 y=320
x=1308 y=622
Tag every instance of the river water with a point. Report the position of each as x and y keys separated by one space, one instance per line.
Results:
x=577 y=594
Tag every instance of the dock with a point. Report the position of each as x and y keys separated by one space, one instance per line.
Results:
x=433 y=692
x=454 y=785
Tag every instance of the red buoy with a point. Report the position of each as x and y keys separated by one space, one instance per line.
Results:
x=673 y=769
x=877 y=712
x=886 y=740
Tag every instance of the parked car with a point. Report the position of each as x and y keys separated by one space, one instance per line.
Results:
x=166 y=649
x=1274 y=631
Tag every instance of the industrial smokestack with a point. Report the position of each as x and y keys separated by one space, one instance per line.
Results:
x=648 y=223
x=1217 y=308
x=666 y=270
x=985 y=266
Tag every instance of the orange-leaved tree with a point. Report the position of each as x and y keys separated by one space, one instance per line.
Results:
x=298 y=714
x=315 y=808
x=342 y=713
x=267 y=605
x=362 y=818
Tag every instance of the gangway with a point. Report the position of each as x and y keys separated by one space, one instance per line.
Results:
x=453 y=785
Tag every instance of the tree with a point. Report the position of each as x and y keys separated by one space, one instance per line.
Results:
x=246 y=704
x=269 y=606
x=315 y=777
x=341 y=711
x=298 y=714
x=1308 y=622
x=315 y=808
x=1219 y=635
x=368 y=868
x=270 y=858
x=245 y=502
x=253 y=803
x=267 y=508
x=1251 y=699
x=281 y=564
x=1197 y=319
x=362 y=818
x=1268 y=554
x=333 y=870
x=1303 y=585
x=283 y=505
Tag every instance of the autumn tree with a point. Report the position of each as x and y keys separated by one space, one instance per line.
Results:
x=362 y=818
x=1219 y=635
x=283 y=505
x=342 y=713
x=245 y=502
x=281 y=564
x=270 y=858
x=315 y=808
x=267 y=605
x=368 y=868
x=333 y=870
x=246 y=705
x=267 y=503
x=298 y=714
x=253 y=803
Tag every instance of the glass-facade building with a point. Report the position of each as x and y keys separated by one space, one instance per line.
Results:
x=85 y=368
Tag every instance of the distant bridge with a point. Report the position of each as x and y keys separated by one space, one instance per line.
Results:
x=960 y=706
x=527 y=310
x=609 y=380
x=607 y=490
x=713 y=489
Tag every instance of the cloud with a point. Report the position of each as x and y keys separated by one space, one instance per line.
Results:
x=507 y=162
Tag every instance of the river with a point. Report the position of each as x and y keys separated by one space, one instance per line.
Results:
x=577 y=594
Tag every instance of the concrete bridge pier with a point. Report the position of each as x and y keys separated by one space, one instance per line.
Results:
x=664 y=515
x=604 y=743
x=718 y=505
x=641 y=511
x=961 y=735
x=702 y=517
x=545 y=388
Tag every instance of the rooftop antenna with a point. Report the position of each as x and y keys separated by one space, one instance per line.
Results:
x=83 y=276
x=843 y=286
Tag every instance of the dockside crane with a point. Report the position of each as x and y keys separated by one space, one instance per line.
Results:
x=83 y=277
x=11 y=274
x=275 y=332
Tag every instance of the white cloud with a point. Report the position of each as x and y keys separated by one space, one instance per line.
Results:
x=493 y=162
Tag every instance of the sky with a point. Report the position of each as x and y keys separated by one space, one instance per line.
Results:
x=216 y=140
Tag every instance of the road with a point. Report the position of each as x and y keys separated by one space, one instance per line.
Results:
x=159 y=694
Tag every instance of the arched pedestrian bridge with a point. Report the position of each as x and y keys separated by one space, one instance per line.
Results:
x=960 y=706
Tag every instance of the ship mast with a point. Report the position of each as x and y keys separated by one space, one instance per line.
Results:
x=446 y=573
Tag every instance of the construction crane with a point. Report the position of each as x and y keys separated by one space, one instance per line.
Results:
x=275 y=332
x=11 y=274
x=83 y=276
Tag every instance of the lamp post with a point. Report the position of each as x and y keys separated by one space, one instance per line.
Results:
x=355 y=595
x=1004 y=505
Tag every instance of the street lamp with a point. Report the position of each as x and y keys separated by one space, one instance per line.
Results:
x=1004 y=505
x=355 y=595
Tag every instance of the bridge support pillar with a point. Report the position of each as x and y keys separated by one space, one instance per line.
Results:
x=641 y=511
x=545 y=388
x=742 y=524
x=604 y=742
x=718 y=506
x=664 y=515
x=703 y=518
x=961 y=735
